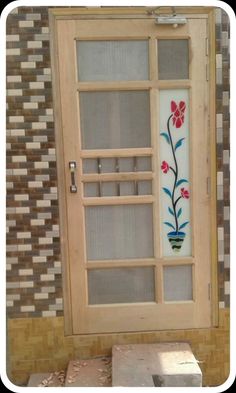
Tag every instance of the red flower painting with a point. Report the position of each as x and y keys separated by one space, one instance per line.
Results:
x=165 y=167
x=184 y=193
x=178 y=113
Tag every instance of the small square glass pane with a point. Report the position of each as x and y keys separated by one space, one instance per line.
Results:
x=121 y=285
x=173 y=59
x=178 y=283
x=115 y=119
x=91 y=189
x=112 y=60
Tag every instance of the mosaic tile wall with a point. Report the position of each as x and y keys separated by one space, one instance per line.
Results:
x=34 y=282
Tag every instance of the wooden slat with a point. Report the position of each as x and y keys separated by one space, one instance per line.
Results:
x=133 y=85
x=117 y=176
x=106 y=153
x=119 y=200
x=120 y=263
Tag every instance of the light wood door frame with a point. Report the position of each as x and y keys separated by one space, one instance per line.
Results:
x=63 y=184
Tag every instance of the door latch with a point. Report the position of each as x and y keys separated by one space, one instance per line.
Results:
x=72 y=167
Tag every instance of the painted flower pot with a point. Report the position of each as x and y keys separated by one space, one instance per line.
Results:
x=176 y=240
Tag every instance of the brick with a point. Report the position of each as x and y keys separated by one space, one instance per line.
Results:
x=13 y=52
x=25 y=272
x=27 y=308
x=28 y=64
x=30 y=105
x=14 y=78
x=14 y=92
x=24 y=23
x=12 y=37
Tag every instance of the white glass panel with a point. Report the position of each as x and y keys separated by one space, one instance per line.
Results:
x=115 y=119
x=112 y=60
x=121 y=285
x=117 y=232
x=178 y=283
x=173 y=59
x=176 y=228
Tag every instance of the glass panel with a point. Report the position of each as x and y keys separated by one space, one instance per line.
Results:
x=109 y=189
x=178 y=283
x=126 y=164
x=119 y=232
x=90 y=165
x=121 y=285
x=112 y=60
x=108 y=165
x=115 y=119
x=91 y=189
x=173 y=59
x=176 y=229
x=145 y=187
x=126 y=188
x=144 y=164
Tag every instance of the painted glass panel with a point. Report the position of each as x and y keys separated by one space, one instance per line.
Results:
x=175 y=182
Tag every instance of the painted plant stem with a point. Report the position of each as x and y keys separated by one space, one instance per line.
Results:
x=175 y=171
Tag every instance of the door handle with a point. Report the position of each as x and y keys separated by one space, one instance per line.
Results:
x=72 y=167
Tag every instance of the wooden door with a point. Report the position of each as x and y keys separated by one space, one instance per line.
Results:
x=134 y=110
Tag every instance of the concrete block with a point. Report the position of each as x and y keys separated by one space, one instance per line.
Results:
x=162 y=364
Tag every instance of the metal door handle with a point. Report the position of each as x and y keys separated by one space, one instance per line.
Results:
x=72 y=167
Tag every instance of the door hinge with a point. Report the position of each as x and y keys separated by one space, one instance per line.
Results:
x=209 y=291
x=207 y=46
x=207 y=72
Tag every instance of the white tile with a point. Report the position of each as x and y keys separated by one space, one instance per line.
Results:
x=40 y=138
x=21 y=197
x=59 y=301
x=219 y=178
x=28 y=64
x=12 y=260
x=35 y=184
x=45 y=30
x=47 y=277
x=23 y=235
x=19 y=158
x=48 y=289
x=33 y=145
x=26 y=284
x=9 y=303
x=49 y=313
x=227 y=261
x=22 y=210
x=34 y=44
x=47 y=253
x=16 y=119
x=45 y=215
x=37 y=222
x=48 y=158
x=44 y=78
x=26 y=23
x=218 y=61
x=47 y=71
x=11 y=247
x=14 y=92
x=221 y=304
x=35 y=58
x=14 y=78
x=30 y=105
x=227 y=287
x=12 y=37
x=11 y=285
x=36 y=85
x=220 y=233
x=10 y=223
x=20 y=171
x=43 y=203
x=27 y=308
x=56 y=307
x=226 y=213
x=18 y=132
x=13 y=52
x=49 y=111
x=225 y=98
x=13 y=296
x=52 y=151
x=39 y=125
x=37 y=98
x=45 y=240
x=42 y=177
x=39 y=259
x=41 y=37
x=226 y=157
x=26 y=272
x=24 y=247
x=41 y=165
x=41 y=295
x=33 y=16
